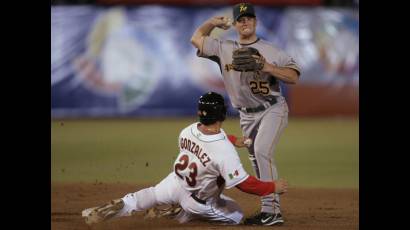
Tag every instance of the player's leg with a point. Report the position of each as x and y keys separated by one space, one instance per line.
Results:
x=249 y=126
x=162 y=193
x=267 y=136
x=265 y=132
x=270 y=129
x=167 y=211
x=223 y=210
x=251 y=151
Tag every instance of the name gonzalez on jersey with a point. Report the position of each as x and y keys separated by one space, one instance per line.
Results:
x=195 y=149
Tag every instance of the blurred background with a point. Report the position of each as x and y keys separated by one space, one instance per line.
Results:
x=136 y=59
x=133 y=59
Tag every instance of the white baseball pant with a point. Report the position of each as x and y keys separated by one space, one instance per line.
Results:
x=223 y=209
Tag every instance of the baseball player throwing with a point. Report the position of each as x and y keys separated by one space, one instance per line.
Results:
x=207 y=163
x=251 y=69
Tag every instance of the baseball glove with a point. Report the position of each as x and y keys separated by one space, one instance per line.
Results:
x=247 y=59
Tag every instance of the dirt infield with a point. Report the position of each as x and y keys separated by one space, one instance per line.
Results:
x=302 y=208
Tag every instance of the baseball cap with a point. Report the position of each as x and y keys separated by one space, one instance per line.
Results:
x=243 y=9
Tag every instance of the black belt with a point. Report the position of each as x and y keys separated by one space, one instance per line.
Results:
x=197 y=199
x=260 y=108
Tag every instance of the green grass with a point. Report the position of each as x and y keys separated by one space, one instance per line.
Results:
x=311 y=152
x=320 y=153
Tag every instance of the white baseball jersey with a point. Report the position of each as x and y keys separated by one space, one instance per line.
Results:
x=204 y=158
x=201 y=161
x=246 y=89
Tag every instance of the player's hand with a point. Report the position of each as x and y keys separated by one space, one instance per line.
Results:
x=243 y=142
x=221 y=22
x=281 y=186
x=267 y=67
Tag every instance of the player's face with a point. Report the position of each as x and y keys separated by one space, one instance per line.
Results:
x=246 y=26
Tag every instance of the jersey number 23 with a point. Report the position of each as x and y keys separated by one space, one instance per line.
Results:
x=180 y=170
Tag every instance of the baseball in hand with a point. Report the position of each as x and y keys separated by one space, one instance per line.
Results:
x=248 y=142
x=227 y=21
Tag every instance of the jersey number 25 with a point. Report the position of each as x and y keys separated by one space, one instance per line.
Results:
x=193 y=170
x=259 y=87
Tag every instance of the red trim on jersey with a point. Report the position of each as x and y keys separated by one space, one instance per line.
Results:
x=254 y=186
x=232 y=139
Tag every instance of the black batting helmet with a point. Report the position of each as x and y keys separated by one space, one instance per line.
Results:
x=211 y=108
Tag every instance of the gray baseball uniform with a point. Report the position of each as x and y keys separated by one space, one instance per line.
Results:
x=263 y=110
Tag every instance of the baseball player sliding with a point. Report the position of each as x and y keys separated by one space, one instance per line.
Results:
x=251 y=69
x=207 y=163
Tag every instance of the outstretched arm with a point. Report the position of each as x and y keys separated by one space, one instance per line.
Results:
x=240 y=142
x=254 y=186
x=206 y=28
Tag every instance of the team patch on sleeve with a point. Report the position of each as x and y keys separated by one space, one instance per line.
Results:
x=233 y=175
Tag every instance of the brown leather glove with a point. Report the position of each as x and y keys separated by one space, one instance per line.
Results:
x=247 y=59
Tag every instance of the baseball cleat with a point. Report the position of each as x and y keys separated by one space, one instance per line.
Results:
x=104 y=212
x=157 y=212
x=266 y=219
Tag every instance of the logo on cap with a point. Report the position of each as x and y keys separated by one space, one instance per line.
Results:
x=242 y=8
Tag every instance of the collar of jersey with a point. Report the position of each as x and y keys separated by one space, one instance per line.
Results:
x=250 y=43
x=206 y=138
